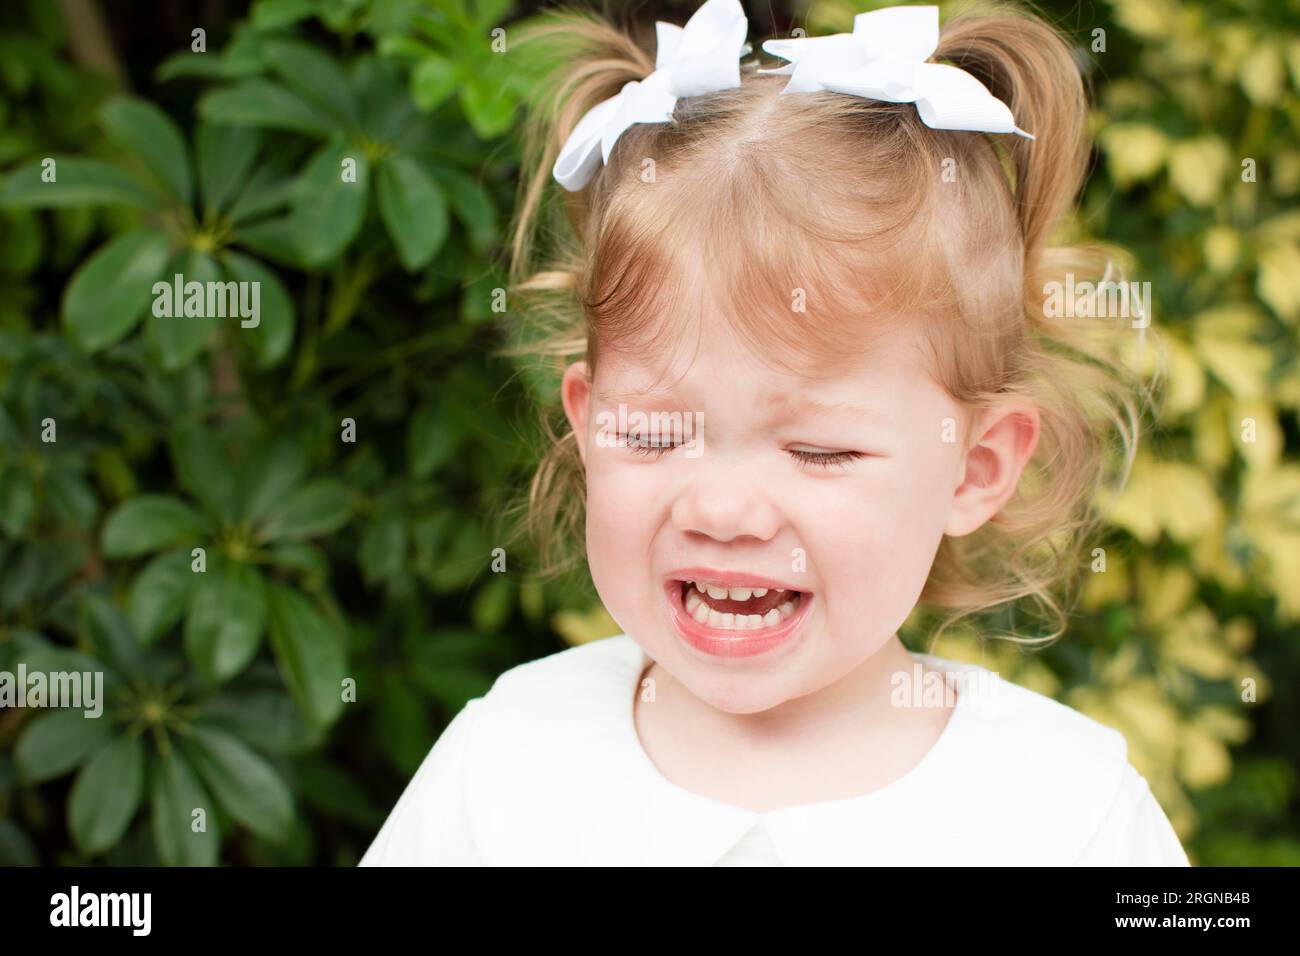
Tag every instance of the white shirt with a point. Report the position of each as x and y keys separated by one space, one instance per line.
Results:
x=547 y=769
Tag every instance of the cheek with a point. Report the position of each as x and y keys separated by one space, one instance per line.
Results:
x=878 y=536
x=622 y=497
x=621 y=526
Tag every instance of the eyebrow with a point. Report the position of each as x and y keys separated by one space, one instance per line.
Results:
x=805 y=404
x=653 y=394
x=779 y=404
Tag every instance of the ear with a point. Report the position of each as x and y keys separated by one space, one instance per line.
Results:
x=1005 y=440
x=575 y=393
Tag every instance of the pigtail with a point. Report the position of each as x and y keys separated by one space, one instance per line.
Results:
x=1026 y=64
x=595 y=59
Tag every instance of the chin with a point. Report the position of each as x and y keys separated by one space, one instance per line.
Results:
x=739 y=698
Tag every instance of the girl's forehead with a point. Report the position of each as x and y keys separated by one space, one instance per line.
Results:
x=714 y=362
x=679 y=298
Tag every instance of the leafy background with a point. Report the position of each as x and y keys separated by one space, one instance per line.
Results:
x=330 y=559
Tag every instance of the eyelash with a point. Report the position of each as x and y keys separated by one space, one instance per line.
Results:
x=636 y=445
x=817 y=459
x=827 y=459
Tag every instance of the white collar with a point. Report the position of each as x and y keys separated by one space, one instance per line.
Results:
x=556 y=775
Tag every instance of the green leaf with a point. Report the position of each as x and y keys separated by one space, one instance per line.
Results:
x=454 y=685
x=57 y=742
x=272 y=337
x=16 y=847
x=273 y=14
x=177 y=339
x=72 y=499
x=188 y=63
x=275 y=239
x=39 y=654
x=77 y=182
x=301 y=558
x=8 y=430
x=259 y=102
x=267 y=718
x=386 y=110
x=327 y=211
x=396 y=47
x=342 y=16
x=487 y=105
x=329 y=788
x=244 y=54
x=310 y=653
x=270 y=476
x=402 y=723
x=383 y=547
x=203 y=467
x=176 y=794
x=250 y=789
x=159 y=594
x=225 y=155
x=472 y=205
x=109 y=294
x=269 y=189
x=413 y=210
x=22 y=241
x=466 y=558
x=489 y=13
x=432 y=81
x=40 y=570
x=150 y=523
x=226 y=619
x=146 y=131
x=492 y=603
x=17 y=502
x=313 y=75
x=430 y=441
x=106 y=794
x=321 y=506
x=111 y=636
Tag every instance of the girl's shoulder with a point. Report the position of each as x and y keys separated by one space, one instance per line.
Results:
x=1024 y=718
x=1006 y=737
x=1038 y=770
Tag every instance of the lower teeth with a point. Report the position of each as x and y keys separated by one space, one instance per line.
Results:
x=706 y=615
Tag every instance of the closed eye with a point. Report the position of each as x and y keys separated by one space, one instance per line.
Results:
x=645 y=446
x=825 y=459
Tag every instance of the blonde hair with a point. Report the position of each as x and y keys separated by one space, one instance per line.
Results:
x=843 y=197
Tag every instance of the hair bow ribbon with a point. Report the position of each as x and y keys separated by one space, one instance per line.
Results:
x=701 y=57
x=884 y=58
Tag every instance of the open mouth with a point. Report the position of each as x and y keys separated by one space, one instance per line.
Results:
x=731 y=615
x=738 y=608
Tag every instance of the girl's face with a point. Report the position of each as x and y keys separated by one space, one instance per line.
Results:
x=811 y=511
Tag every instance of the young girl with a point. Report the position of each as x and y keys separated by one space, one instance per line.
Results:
x=816 y=386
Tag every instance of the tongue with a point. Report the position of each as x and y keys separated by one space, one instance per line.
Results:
x=759 y=605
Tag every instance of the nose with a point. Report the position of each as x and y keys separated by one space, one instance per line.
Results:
x=725 y=501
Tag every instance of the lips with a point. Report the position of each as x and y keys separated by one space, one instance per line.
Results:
x=728 y=579
x=734 y=614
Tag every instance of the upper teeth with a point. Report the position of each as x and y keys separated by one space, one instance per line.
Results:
x=706 y=615
x=733 y=594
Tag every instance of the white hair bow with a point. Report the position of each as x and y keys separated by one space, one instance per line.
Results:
x=702 y=57
x=884 y=59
